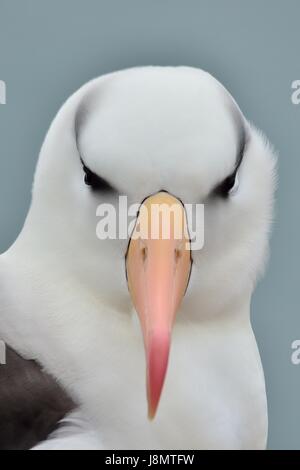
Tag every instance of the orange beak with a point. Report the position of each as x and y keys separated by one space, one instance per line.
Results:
x=158 y=267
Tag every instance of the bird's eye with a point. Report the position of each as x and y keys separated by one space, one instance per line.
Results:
x=95 y=182
x=228 y=187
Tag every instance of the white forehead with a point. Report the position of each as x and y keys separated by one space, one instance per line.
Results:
x=155 y=128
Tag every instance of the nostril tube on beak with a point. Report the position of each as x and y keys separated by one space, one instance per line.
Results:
x=144 y=253
x=178 y=254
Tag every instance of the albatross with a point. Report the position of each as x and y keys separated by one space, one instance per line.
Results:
x=139 y=342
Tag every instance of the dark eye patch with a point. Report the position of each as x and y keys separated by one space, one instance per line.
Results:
x=223 y=189
x=227 y=186
x=95 y=182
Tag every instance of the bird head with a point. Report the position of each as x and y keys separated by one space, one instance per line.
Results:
x=161 y=137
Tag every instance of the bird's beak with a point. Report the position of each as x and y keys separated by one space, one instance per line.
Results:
x=158 y=267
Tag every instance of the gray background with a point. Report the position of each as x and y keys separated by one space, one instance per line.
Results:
x=49 y=48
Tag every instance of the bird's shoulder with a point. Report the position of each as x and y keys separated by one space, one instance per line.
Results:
x=31 y=403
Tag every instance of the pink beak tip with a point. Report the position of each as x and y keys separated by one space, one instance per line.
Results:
x=158 y=357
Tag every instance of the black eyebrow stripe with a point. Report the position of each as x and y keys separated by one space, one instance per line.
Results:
x=242 y=135
x=98 y=183
x=242 y=139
